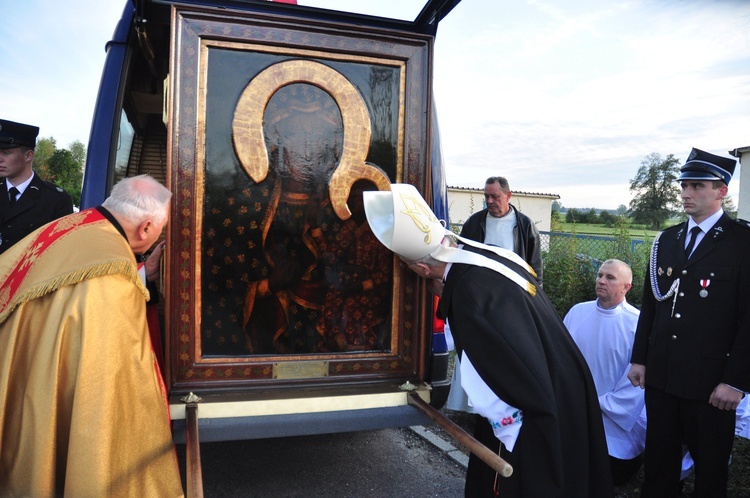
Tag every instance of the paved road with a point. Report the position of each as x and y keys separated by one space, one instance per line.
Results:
x=383 y=463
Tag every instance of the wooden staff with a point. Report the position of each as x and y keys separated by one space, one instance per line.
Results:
x=488 y=456
x=194 y=472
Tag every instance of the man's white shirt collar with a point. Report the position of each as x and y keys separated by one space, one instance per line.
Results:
x=706 y=224
x=22 y=186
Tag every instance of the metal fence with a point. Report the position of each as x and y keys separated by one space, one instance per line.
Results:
x=571 y=262
x=593 y=244
x=596 y=244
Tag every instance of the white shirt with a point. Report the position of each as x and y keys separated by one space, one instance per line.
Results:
x=471 y=394
x=605 y=337
x=505 y=419
x=705 y=226
x=742 y=424
x=499 y=231
x=21 y=186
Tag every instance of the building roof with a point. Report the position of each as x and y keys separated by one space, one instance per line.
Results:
x=515 y=192
x=739 y=151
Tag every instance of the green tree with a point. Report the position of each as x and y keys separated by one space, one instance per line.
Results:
x=569 y=272
x=656 y=190
x=571 y=265
x=555 y=222
x=556 y=206
x=78 y=150
x=606 y=218
x=622 y=210
x=727 y=204
x=45 y=147
x=63 y=167
x=67 y=173
x=573 y=216
x=591 y=217
x=636 y=255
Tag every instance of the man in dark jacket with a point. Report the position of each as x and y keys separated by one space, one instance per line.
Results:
x=501 y=224
x=528 y=375
x=26 y=201
x=693 y=335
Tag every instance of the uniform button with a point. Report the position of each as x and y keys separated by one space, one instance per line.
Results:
x=713 y=274
x=677 y=315
x=684 y=272
x=674 y=337
x=682 y=294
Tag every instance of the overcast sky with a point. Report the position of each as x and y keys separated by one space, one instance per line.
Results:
x=560 y=96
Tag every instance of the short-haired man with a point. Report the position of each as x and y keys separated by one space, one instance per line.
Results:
x=692 y=343
x=83 y=409
x=604 y=330
x=501 y=224
x=532 y=381
x=26 y=201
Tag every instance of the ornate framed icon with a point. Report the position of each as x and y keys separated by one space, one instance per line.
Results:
x=277 y=126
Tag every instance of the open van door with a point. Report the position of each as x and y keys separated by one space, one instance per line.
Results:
x=281 y=312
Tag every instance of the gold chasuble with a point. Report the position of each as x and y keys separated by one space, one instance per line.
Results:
x=82 y=406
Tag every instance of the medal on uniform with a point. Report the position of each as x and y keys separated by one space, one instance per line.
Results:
x=669 y=271
x=704 y=283
x=660 y=271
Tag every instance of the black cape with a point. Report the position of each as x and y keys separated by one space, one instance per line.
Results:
x=521 y=349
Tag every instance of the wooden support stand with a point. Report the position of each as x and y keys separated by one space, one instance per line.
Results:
x=193 y=472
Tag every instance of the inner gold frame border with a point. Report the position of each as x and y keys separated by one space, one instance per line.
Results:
x=249 y=140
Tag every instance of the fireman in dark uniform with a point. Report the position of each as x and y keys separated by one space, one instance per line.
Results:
x=692 y=343
x=26 y=201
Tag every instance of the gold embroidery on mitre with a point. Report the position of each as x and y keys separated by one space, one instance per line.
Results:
x=419 y=214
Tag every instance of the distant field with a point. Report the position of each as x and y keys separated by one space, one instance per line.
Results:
x=588 y=229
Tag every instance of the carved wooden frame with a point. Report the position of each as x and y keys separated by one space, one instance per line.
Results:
x=195 y=33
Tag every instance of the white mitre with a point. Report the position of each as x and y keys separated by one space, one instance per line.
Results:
x=404 y=223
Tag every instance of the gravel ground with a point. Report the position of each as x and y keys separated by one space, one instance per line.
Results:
x=739 y=469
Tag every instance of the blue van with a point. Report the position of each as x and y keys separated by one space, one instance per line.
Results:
x=280 y=314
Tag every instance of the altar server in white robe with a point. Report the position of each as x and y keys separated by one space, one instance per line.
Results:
x=604 y=330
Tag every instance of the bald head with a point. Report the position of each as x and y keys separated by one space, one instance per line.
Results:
x=614 y=280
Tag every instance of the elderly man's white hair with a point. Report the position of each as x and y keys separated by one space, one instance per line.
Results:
x=139 y=198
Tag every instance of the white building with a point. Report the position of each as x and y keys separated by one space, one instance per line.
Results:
x=465 y=201
x=743 y=203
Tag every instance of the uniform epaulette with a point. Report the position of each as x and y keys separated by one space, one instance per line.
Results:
x=743 y=223
x=678 y=226
x=52 y=186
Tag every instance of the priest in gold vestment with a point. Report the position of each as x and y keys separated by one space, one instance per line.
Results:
x=82 y=406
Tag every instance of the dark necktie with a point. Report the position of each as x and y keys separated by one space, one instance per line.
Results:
x=13 y=192
x=691 y=244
